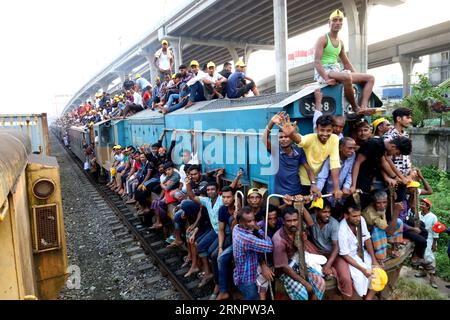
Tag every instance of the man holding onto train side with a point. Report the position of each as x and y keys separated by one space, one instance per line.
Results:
x=290 y=158
x=286 y=261
x=327 y=69
x=235 y=87
x=324 y=233
x=359 y=256
x=347 y=147
x=318 y=147
x=381 y=230
x=371 y=163
x=248 y=243
x=163 y=60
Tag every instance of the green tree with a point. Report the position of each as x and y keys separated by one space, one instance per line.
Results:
x=423 y=96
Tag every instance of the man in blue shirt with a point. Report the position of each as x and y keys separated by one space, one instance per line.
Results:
x=236 y=86
x=290 y=157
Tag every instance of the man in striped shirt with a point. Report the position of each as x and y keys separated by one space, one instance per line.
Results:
x=248 y=243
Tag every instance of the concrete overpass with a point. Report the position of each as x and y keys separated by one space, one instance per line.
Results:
x=226 y=30
x=405 y=49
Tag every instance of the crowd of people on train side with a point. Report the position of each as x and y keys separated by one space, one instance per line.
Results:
x=361 y=180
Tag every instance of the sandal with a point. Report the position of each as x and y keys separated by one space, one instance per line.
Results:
x=205 y=281
x=213 y=296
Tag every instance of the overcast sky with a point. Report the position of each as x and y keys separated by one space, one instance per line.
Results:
x=51 y=48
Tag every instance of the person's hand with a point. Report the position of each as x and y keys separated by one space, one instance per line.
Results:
x=391 y=182
x=367 y=273
x=326 y=270
x=419 y=173
x=267 y=272
x=174 y=130
x=406 y=180
x=416 y=230
x=240 y=173
x=165 y=129
x=288 y=127
x=288 y=199
x=346 y=192
x=278 y=118
x=337 y=193
x=192 y=132
x=310 y=290
x=187 y=180
x=315 y=190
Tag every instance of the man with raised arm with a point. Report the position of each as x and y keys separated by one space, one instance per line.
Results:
x=327 y=69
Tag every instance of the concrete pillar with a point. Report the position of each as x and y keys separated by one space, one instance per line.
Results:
x=280 y=35
x=357 y=33
x=248 y=52
x=177 y=47
x=407 y=65
x=233 y=53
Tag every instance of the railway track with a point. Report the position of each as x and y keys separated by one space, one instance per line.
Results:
x=152 y=243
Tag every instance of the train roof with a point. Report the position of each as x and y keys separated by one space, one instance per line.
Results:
x=275 y=100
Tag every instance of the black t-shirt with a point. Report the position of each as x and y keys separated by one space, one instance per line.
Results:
x=373 y=150
x=225 y=217
x=199 y=188
x=224 y=73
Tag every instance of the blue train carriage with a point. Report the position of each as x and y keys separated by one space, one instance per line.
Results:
x=231 y=130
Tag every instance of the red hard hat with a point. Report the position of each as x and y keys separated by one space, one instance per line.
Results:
x=439 y=227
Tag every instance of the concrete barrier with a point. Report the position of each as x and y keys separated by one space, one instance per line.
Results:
x=431 y=147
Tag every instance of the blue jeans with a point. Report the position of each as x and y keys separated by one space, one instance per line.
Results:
x=224 y=264
x=178 y=222
x=172 y=97
x=249 y=291
x=197 y=93
x=207 y=244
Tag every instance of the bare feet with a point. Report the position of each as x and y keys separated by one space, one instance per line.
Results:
x=223 y=296
x=191 y=271
x=189 y=104
x=206 y=278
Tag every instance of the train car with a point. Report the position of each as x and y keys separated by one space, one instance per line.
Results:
x=78 y=138
x=33 y=251
x=230 y=130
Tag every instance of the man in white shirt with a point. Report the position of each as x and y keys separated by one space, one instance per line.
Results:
x=136 y=105
x=213 y=82
x=360 y=264
x=195 y=84
x=163 y=60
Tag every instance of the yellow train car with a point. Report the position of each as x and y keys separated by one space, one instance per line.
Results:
x=33 y=251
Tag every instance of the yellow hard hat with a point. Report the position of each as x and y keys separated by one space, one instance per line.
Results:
x=337 y=13
x=194 y=63
x=377 y=122
x=137 y=76
x=318 y=203
x=211 y=64
x=254 y=190
x=379 y=279
x=117 y=146
x=173 y=76
x=165 y=42
x=113 y=172
x=240 y=63
x=413 y=184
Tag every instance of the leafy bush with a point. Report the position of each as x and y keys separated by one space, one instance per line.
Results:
x=423 y=96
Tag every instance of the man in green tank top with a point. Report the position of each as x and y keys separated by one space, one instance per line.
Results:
x=328 y=70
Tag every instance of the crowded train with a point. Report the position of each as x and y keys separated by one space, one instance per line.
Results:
x=340 y=205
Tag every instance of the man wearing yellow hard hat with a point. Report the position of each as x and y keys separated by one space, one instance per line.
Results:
x=213 y=82
x=380 y=127
x=329 y=49
x=195 y=84
x=164 y=59
x=237 y=85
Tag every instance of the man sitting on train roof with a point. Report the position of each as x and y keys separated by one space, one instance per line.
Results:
x=236 y=86
x=338 y=121
x=290 y=159
x=196 y=90
x=359 y=256
x=134 y=102
x=327 y=69
x=226 y=73
x=287 y=263
x=382 y=230
x=213 y=82
x=318 y=147
x=347 y=156
x=143 y=84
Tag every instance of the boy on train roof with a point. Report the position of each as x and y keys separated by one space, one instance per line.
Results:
x=327 y=69
x=236 y=86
